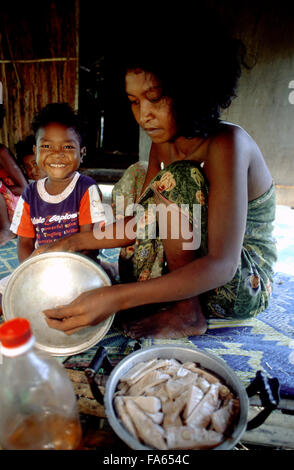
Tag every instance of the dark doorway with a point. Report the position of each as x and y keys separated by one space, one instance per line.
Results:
x=111 y=133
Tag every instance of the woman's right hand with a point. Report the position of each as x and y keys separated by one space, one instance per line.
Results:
x=90 y=308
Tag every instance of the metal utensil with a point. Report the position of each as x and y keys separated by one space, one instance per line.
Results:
x=267 y=388
x=47 y=281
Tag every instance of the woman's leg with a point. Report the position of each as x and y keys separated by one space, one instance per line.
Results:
x=182 y=318
x=5 y=234
x=183 y=185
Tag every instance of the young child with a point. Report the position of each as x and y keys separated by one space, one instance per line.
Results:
x=27 y=160
x=65 y=202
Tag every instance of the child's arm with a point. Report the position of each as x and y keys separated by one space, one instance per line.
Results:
x=25 y=247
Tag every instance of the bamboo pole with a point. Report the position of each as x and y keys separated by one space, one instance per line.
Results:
x=77 y=35
x=32 y=61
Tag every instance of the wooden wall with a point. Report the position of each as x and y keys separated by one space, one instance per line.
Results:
x=38 y=61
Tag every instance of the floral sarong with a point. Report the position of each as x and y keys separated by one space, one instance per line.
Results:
x=184 y=183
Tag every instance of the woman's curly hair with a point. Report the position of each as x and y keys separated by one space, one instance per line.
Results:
x=198 y=71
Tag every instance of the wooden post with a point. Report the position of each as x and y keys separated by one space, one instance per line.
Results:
x=77 y=36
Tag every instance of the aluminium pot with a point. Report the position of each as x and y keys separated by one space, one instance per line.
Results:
x=268 y=388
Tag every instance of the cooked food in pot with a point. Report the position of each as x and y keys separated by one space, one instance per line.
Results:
x=169 y=405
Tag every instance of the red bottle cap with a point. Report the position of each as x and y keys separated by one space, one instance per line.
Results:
x=15 y=333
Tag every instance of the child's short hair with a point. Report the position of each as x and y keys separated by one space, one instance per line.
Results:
x=24 y=148
x=60 y=113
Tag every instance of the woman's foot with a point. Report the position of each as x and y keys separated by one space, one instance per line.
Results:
x=6 y=236
x=124 y=318
x=181 y=319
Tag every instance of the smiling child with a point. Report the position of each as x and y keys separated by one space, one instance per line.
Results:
x=65 y=202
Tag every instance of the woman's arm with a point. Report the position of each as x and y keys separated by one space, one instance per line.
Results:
x=116 y=235
x=86 y=228
x=8 y=163
x=25 y=247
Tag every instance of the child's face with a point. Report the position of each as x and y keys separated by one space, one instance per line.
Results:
x=152 y=111
x=58 y=151
x=31 y=168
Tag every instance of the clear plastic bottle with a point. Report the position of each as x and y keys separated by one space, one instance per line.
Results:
x=38 y=408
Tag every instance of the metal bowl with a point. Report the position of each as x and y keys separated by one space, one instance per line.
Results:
x=183 y=354
x=46 y=281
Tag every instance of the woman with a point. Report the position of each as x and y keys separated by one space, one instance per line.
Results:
x=195 y=160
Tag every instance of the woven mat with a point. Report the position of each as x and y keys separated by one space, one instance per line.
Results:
x=8 y=258
x=265 y=342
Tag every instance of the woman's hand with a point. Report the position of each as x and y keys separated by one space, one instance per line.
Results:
x=89 y=308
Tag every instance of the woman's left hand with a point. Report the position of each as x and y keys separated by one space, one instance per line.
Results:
x=88 y=309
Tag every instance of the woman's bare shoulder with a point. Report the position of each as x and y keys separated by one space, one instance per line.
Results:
x=5 y=153
x=3 y=150
x=230 y=141
x=5 y=156
x=229 y=132
x=231 y=147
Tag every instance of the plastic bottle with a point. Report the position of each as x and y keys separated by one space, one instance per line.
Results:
x=38 y=408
